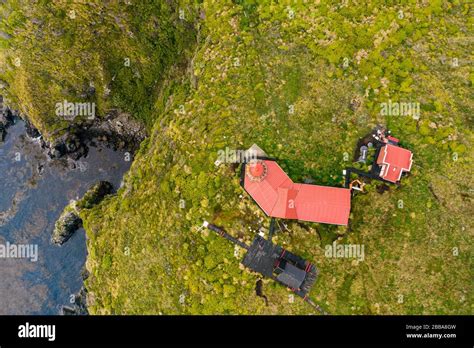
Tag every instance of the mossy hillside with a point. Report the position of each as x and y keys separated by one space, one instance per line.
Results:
x=146 y=252
x=113 y=54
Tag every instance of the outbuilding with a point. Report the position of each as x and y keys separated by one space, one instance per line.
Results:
x=394 y=161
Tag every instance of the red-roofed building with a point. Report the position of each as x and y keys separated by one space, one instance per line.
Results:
x=393 y=161
x=280 y=197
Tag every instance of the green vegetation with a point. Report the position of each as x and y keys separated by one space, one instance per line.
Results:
x=115 y=55
x=283 y=75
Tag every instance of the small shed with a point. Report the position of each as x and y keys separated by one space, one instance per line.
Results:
x=394 y=161
x=274 y=262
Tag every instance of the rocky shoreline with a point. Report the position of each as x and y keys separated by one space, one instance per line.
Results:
x=116 y=130
x=79 y=306
x=68 y=223
x=7 y=118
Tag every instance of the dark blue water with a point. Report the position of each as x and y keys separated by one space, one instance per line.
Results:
x=30 y=202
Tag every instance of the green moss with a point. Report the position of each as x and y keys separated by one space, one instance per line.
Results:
x=123 y=51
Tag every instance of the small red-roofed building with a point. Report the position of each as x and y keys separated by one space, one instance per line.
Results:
x=394 y=161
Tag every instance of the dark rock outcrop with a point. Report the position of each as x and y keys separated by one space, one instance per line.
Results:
x=95 y=195
x=70 y=144
x=78 y=305
x=119 y=129
x=7 y=118
x=31 y=130
x=70 y=221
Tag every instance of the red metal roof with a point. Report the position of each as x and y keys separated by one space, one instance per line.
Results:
x=257 y=169
x=393 y=161
x=280 y=197
x=395 y=140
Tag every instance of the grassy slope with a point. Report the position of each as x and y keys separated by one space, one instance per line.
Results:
x=252 y=62
x=60 y=49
